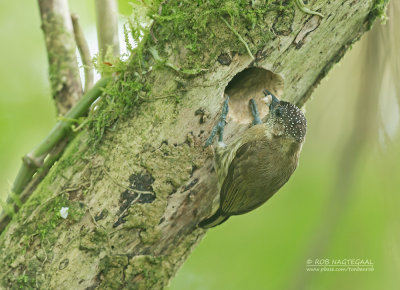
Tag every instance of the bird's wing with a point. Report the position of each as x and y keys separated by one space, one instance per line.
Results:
x=241 y=191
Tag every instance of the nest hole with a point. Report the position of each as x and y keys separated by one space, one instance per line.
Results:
x=250 y=83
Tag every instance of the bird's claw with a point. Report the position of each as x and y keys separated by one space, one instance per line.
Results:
x=219 y=127
x=254 y=112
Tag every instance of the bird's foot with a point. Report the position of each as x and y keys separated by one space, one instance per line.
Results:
x=254 y=112
x=219 y=127
x=270 y=99
x=302 y=7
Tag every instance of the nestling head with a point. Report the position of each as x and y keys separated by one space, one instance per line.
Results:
x=285 y=119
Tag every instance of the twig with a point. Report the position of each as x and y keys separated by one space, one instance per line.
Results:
x=107 y=26
x=84 y=51
x=10 y=207
x=300 y=4
x=238 y=36
x=61 y=50
x=34 y=160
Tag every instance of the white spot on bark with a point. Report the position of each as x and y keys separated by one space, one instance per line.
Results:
x=64 y=212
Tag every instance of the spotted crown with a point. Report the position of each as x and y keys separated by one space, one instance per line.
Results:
x=293 y=120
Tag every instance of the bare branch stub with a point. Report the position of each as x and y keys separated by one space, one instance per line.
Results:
x=107 y=26
x=84 y=51
x=61 y=50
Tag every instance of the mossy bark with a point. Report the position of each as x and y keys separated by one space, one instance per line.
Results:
x=136 y=197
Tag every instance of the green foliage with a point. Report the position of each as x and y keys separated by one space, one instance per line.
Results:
x=24 y=281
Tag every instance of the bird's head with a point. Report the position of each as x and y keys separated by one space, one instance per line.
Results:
x=285 y=119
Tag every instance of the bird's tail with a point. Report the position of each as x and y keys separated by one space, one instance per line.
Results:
x=215 y=220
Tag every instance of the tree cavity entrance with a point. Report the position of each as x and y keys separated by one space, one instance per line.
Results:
x=250 y=83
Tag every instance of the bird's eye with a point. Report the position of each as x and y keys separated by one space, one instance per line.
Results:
x=278 y=112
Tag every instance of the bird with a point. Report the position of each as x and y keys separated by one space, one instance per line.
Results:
x=260 y=161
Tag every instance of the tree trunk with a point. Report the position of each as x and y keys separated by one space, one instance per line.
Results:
x=137 y=180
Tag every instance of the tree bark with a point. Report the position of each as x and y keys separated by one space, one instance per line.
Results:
x=136 y=197
x=107 y=26
x=61 y=51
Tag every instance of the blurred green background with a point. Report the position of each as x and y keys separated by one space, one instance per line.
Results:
x=341 y=203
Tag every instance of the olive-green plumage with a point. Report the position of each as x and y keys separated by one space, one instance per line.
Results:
x=259 y=162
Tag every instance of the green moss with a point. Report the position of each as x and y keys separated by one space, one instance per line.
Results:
x=202 y=34
x=190 y=35
x=118 y=101
x=145 y=216
x=150 y=236
x=76 y=211
x=112 y=271
x=285 y=16
x=146 y=272
x=49 y=218
x=378 y=10
x=27 y=280
x=30 y=281
x=24 y=282
x=170 y=166
x=73 y=152
x=93 y=241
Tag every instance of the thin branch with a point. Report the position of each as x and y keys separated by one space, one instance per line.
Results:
x=10 y=207
x=107 y=26
x=34 y=160
x=61 y=50
x=300 y=4
x=84 y=51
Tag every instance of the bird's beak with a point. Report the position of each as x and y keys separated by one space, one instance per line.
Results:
x=274 y=100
